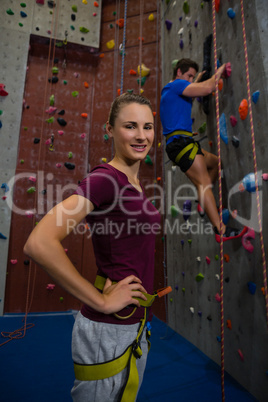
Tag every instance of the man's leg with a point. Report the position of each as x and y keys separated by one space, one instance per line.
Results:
x=211 y=162
x=199 y=175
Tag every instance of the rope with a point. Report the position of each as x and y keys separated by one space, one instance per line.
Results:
x=220 y=198
x=123 y=49
x=254 y=160
x=140 y=43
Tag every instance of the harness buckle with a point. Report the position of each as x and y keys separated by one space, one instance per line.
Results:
x=136 y=349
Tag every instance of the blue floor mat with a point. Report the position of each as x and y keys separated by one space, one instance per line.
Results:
x=39 y=367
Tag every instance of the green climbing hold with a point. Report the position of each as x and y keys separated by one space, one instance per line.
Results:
x=65 y=82
x=55 y=70
x=59 y=44
x=153 y=202
x=75 y=94
x=72 y=27
x=148 y=160
x=174 y=211
x=186 y=7
x=9 y=12
x=202 y=128
x=199 y=277
x=74 y=8
x=25 y=128
x=190 y=241
x=22 y=161
x=83 y=30
x=143 y=80
x=52 y=100
x=114 y=12
x=50 y=120
x=216 y=257
x=22 y=4
x=106 y=137
x=31 y=190
x=202 y=5
x=70 y=155
x=1 y=112
x=183 y=289
x=20 y=24
x=130 y=91
x=111 y=26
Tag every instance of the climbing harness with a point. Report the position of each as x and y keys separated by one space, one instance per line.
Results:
x=193 y=146
x=100 y=371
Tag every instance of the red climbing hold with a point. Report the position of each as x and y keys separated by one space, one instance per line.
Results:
x=132 y=72
x=228 y=70
x=84 y=115
x=2 y=90
x=217 y=5
x=243 y=109
x=233 y=121
x=120 y=22
x=249 y=235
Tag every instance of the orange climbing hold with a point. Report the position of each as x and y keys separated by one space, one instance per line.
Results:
x=86 y=85
x=101 y=55
x=84 y=115
x=220 y=84
x=229 y=324
x=120 y=22
x=243 y=109
x=118 y=91
x=132 y=72
x=96 y=4
x=154 y=113
x=226 y=257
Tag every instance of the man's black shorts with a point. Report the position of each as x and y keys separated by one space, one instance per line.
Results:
x=176 y=146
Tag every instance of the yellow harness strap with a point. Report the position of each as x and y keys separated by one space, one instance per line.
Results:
x=179 y=132
x=192 y=146
x=99 y=371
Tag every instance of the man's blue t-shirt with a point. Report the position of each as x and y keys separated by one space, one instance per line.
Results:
x=175 y=109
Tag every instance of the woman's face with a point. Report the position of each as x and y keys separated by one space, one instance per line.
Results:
x=133 y=132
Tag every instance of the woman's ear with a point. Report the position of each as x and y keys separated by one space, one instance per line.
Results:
x=109 y=129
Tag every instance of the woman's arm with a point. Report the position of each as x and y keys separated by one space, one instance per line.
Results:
x=204 y=88
x=44 y=247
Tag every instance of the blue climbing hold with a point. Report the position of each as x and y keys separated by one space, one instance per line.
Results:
x=223 y=129
x=168 y=24
x=225 y=216
x=252 y=287
x=255 y=96
x=187 y=206
x=2 y=236
x=231 y=13
x=5 y=186
x=23 y=14
x=249 y=183
x=1 y=124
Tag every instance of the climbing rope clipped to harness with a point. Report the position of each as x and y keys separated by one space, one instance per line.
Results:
x=100 y=371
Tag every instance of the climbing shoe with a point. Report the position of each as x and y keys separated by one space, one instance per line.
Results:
x=200 y=210
x=230 y=233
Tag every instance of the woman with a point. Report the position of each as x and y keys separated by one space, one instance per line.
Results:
x=124 y=224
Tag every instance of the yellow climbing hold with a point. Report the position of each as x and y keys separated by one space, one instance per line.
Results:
x=84 y=1
x=151 y=17
x=144 y=70
x=110 y=44
x=141 y=91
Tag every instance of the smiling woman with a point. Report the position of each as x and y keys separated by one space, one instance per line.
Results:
x=111 y=199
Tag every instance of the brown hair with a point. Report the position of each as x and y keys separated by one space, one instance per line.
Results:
x=184 y=65
x=123 y=100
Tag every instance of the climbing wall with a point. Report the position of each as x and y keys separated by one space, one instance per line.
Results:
x=192 y=253
x=65 y=94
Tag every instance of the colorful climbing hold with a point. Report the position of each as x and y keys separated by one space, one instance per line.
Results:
x=3 y=237
x=148 y=160
x=70 y=155
x=217 y=297
x=246 y=238
x=231 y=13
x=120 y=22
x=248 y=183
x=110 y=45
x=75 y=94
x=31 y=190
x=186 y=7
x=217 y=5
x=225 y=215
x=255 y=96
x=84 y=115
x=83 y=30
x=208 y=261
x=74 y=8
x=199 y=277
x=229 y=324
x=50 y=286
x=189 y=241
x=202 y=128
x=174 y=211
x=145 y=71
x=226 y=257
x=187 y=207
x=151 y=17
x=168 y=24
x=243 y=109
x=9 y=11
x=223 y=129
x=252 y=287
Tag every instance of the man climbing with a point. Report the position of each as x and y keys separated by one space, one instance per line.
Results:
x=200 y=166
